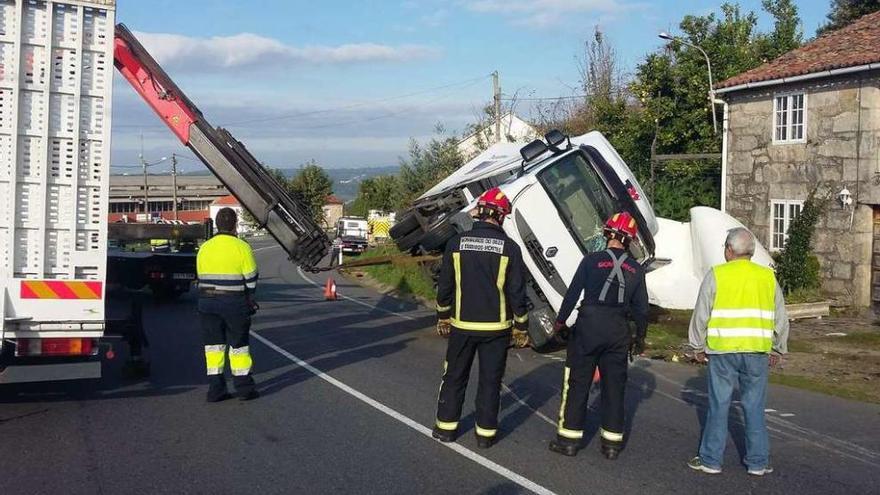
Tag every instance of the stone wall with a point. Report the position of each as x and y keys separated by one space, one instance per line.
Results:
x=842 y=149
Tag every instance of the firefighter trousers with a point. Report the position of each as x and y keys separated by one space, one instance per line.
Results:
x=600 y=338
x=226 y=326
x=460 y=354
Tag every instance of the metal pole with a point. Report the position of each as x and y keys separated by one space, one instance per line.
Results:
x=496 y=86
x=174 y=183
x=711 y=89
x=146 y=194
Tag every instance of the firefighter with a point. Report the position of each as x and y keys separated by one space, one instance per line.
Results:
x=480 y=297
x=227 y=275
x=613 y=284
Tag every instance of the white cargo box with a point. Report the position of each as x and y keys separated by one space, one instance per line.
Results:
x=56 y=68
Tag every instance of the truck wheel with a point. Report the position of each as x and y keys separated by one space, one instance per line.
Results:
x=410 y=240
x=404 y=226
x=437 y=237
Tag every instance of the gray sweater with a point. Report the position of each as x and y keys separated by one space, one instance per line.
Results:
x=703 y=310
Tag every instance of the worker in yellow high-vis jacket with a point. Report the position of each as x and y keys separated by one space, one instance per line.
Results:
x=227 y=275
x=740 y=326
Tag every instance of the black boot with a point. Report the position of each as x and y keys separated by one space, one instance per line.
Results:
x=611 y=451
x=485 y=442
x=249 y=395
x=444 y=436
x=564 y=446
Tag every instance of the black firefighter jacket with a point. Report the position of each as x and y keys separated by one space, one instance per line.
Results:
x=482 y=282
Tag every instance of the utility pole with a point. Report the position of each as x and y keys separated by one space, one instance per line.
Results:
x=174 y=183
x=496 y=86
x=144 y=166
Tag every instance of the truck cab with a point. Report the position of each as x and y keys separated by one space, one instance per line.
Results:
x=562 y=191
x=352 y=233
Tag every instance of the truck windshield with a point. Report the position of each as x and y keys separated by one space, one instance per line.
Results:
x=583 y=202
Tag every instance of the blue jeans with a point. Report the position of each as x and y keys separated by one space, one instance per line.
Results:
x=750 y=371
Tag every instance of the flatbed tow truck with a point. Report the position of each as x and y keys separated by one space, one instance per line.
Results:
x=55 y=297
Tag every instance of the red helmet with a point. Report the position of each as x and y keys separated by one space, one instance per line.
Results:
x=495 y=201
x=621 y=224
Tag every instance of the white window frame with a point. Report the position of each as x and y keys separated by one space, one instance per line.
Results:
x=786 y=220
x=788 y=126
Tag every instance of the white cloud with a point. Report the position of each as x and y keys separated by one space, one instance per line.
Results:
x=251 y=50
x=545 y=13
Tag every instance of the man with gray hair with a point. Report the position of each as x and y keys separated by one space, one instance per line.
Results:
x=740 y=327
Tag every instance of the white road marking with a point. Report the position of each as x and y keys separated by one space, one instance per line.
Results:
x=786 y=415
x=526 y=405
x=266 y=247
x=424 y=430
x=769 y=410
x=861 y=454
x=824 y=442
x=368 y=305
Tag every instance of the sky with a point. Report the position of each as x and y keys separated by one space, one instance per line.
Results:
x=349 y=83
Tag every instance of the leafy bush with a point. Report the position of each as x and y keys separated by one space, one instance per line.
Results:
x=798 y=268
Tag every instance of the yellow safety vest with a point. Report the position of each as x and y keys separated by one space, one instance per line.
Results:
x=743 y=315
x=226 y=263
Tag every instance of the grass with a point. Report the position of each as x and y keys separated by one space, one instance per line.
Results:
x=403 y=278
x=818 y=385
x=867 y=340
x=801 y=296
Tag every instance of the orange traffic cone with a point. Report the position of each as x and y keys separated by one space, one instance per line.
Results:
x=330 y=290
x=596 y=376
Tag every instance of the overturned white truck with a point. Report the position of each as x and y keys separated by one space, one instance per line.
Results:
x=562 y=190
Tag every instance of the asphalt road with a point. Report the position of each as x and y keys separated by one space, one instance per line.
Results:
x=349 y=390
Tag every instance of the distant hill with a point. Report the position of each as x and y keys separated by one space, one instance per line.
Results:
x=346 y=181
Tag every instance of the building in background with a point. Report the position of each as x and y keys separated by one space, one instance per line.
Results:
x=811 y=118
x=333 y=210
x=513 y=130
x=195 y=193
x=229 y=201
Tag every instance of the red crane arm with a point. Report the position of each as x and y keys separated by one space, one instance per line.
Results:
x=166 y=102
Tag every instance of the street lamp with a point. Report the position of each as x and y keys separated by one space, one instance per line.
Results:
x=144 y=165
x=666 y=36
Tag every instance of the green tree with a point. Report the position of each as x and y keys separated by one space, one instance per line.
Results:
x=844 y=12
x=376 y=193
x=312 y=185
x=428 y=164
x=669 y=100
x=797 y=267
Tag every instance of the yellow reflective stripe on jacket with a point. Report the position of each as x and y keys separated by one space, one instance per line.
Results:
x=456 y=264
x=226 y=263
x=743 y=313
x=487 y=326
x=502 y=276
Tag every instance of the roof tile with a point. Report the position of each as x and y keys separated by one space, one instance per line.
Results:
x=851 y=46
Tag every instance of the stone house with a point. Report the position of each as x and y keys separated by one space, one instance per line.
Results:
x=333 y=211
x=812 y=118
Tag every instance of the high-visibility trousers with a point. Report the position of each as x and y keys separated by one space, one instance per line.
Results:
x=600 y=338
x=457 y=369
x=226 y=329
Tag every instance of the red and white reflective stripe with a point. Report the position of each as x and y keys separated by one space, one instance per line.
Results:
x=56 y=347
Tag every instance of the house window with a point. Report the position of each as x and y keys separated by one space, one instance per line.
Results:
x=789 y=112
x=784 y=212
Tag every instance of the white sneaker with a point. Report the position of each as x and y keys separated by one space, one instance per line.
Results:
x=697 y=464
x=761 y=472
